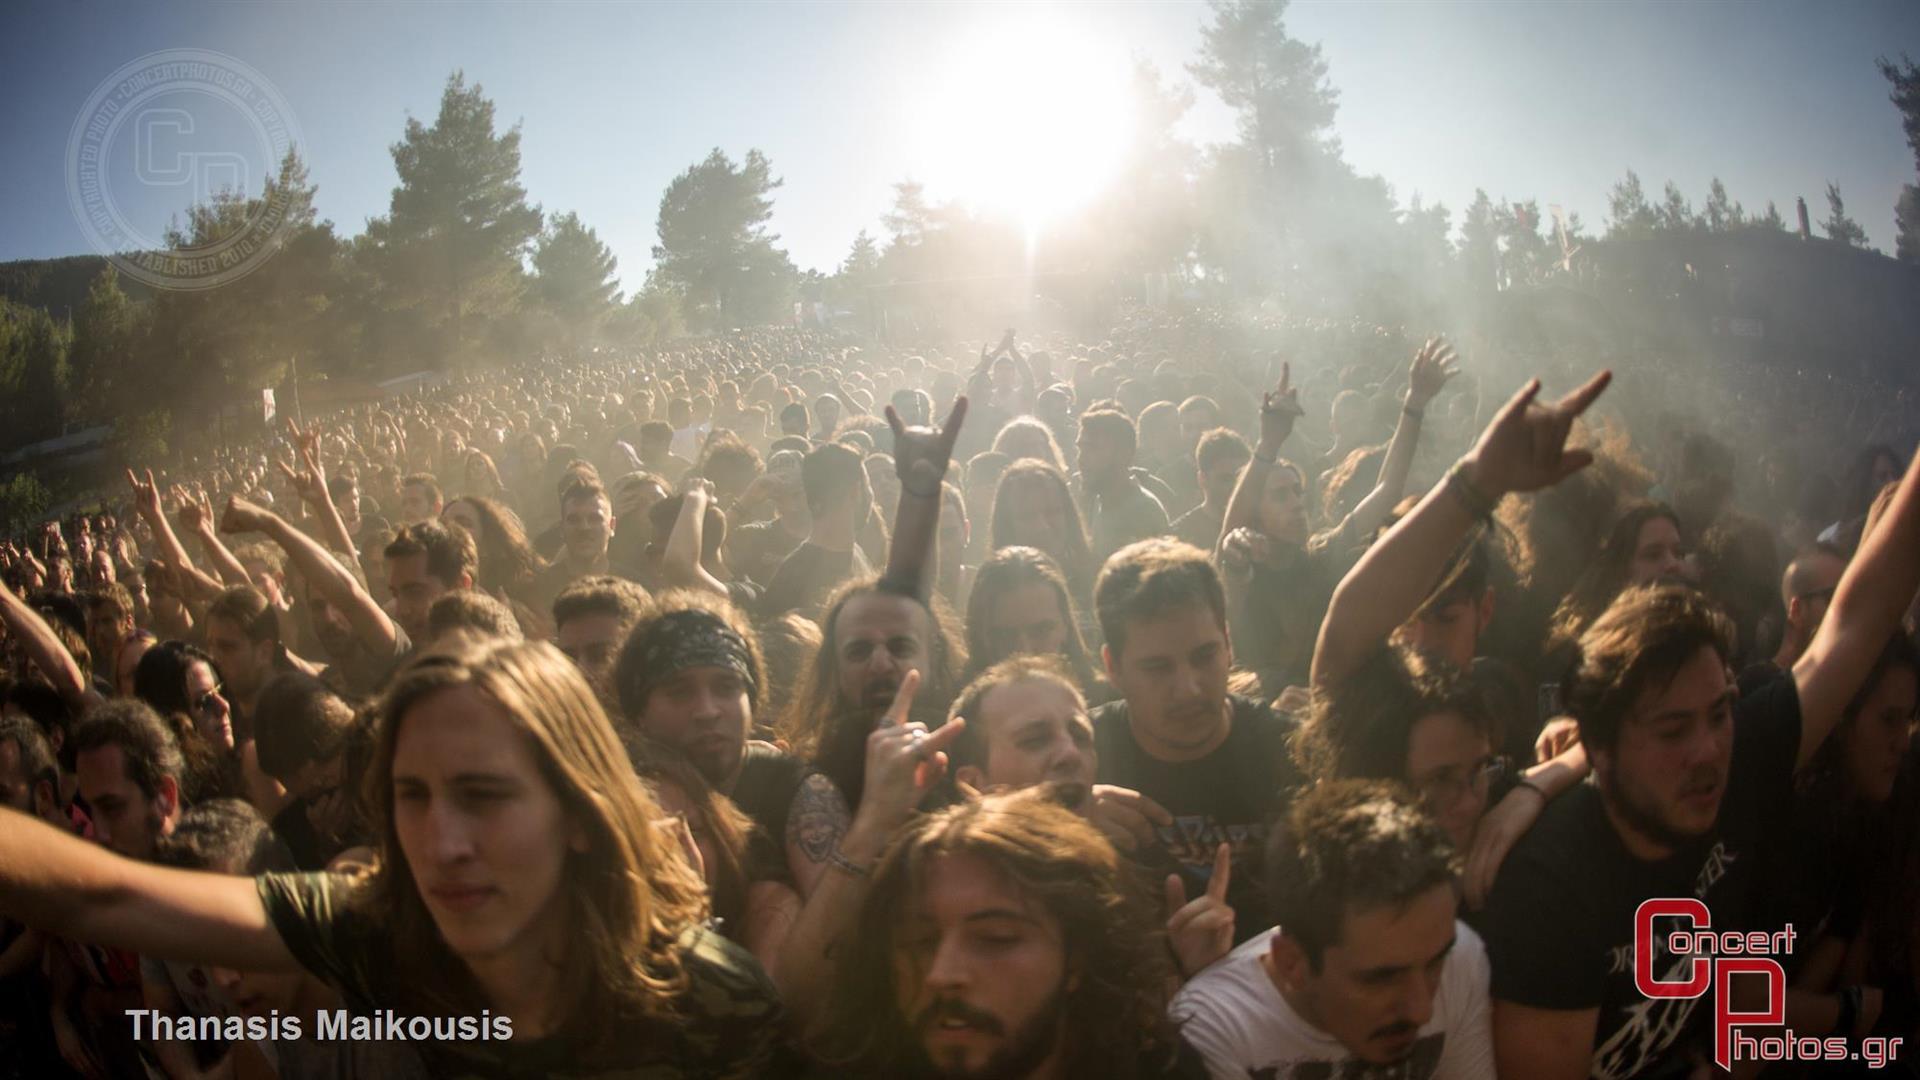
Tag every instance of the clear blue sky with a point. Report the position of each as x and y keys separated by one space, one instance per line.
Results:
x=1552 y=101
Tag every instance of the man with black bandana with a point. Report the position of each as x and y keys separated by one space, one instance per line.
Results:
x=690 y=676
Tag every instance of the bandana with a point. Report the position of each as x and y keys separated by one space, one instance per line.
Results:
x=693 y=638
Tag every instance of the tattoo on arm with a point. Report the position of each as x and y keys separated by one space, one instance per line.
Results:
x=819 y=818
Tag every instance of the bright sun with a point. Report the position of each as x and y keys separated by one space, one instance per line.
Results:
x=1032 y=119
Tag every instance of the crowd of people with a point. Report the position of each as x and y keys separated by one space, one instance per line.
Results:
x=780 y=705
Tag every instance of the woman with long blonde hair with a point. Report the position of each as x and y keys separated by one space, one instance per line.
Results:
x=528 y=910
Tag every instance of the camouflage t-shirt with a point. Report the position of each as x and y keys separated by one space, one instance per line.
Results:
x=731 y=1026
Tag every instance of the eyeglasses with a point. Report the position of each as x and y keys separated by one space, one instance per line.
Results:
x=1446 y=786
x=204 y=703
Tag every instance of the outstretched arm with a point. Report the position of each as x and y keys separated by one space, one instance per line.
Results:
x=920 y=457
x=65 y=886
x=311 y=482
x=196 y=516
x=370 y=623
x=1522 y=450
x=1867 y=605
x=1433 y=365
x=1278 y=411
x=37 y=640
x=197 y=583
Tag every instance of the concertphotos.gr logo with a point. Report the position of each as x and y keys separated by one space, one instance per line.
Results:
x=173 y=130
x=1713 y=959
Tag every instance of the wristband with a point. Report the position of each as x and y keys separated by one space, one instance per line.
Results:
x=1268 y=457
x=836 y=859
x=1528 y=783
x=910 y=490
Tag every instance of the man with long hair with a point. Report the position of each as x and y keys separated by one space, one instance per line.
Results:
x=527 y=913
x=1000 y=940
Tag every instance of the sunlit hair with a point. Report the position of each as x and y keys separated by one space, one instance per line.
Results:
x=1012 y=568
x=970 y=748
x=1348 y=482
x=1555 y=532
x=790 y=642
x=833 y=733
x=726 y=825
x=1114 y=1015
x=1151 y=577
x=507 y=558
x=1606 y=575
x=1024 y=437
x=629 y=898
x=473 y=612
x=482 y=477
x=1076 y=560
x=1361 y=727
x=1351 y=845
x=1636 y=646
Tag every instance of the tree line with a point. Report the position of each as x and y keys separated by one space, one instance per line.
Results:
x=465 y=271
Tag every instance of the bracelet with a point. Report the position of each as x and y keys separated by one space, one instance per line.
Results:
x=1529 y=783
x=1849 y=1011
x=1270 y=457
x=1476 y=501
x=835 y=858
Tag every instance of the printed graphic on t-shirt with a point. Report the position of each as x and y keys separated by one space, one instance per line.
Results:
x=1192 y=839
x=1418 y=1065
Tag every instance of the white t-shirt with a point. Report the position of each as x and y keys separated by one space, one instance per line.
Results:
x=1234 y=1015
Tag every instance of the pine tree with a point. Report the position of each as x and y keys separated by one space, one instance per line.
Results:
x=573 y=279
x=1838 y=226
x=1905 y=95
x=1676 y=213
x=1721 y=213
x=458 y=228
x=1627 y=209
x=714 y=245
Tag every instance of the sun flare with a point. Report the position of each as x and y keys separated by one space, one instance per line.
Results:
x=1032 y=119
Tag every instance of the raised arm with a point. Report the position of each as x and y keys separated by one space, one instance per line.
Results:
x=920 y=458
x=1524 y=449
x=681 y=563
x=370 y=622
x=37 y=640
x=1867 y=606
x=62 y=885
x=146 y=500
x=311 y=482
x=1278 y=411
x=196 y=516
x=1433 y=365
x=904 y=761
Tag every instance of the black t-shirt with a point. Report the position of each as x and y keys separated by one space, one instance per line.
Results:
x=1754 y=676
x=1232 y=794
x=764 y=792
x=807 y=576
x=1559 y=925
